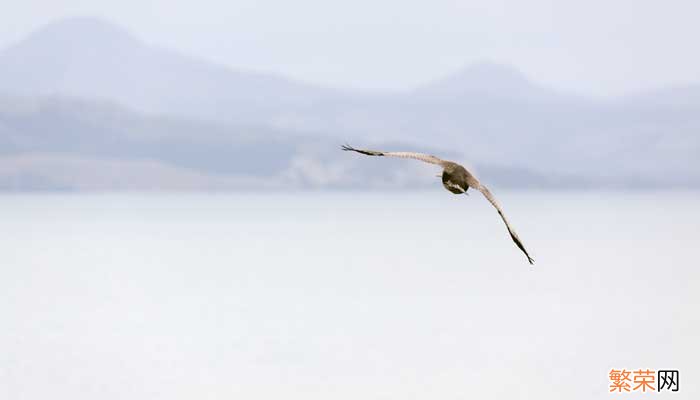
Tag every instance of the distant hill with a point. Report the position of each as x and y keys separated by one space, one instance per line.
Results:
x=85 y=88
x=66 y=144
x=487 y=79
x=91 y=58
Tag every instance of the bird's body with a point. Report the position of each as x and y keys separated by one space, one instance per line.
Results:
x=456 y=179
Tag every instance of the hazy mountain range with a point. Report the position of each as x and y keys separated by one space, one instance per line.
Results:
x=85 y=105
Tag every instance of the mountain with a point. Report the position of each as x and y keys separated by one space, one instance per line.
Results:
x=484 y=78
x=67 y=144
x=91 y=58
x=84 y=88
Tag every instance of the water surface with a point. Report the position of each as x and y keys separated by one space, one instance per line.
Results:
x=345 y=295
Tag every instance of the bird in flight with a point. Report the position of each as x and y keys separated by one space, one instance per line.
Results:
x=455 y=178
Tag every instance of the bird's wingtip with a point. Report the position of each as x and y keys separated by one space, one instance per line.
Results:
x=346 y=147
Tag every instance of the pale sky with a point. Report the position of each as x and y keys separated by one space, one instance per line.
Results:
x=598 y=47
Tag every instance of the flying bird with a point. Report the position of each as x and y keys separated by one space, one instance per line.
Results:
x=455 y=178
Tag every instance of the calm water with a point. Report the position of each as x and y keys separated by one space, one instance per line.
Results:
x=345 y=296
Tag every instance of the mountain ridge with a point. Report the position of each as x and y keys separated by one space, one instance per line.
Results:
x=488 y=113
x=67 y=29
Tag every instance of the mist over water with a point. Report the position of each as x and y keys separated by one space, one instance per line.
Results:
x=345 y=295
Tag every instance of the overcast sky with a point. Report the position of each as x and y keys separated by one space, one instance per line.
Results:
x=600 y=47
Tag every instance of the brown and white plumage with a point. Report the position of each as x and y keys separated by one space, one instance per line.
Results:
x=456 y=179
x=400 y=154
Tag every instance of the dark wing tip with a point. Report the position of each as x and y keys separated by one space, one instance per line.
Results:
x=518 y=243
x=347 y=147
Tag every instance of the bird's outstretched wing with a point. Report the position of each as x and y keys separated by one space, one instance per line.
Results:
x=489 y=196
x=401 y=154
